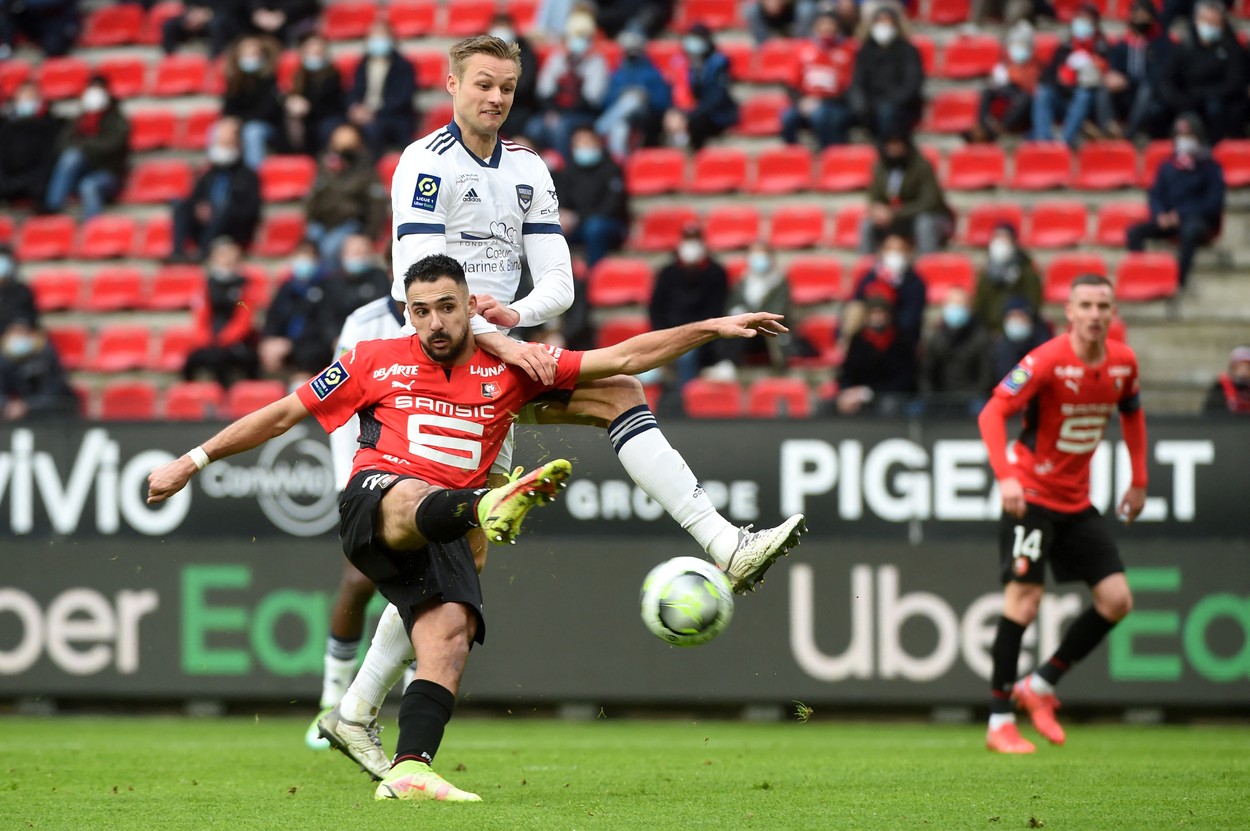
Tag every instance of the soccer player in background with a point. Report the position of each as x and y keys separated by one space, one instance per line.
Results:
x=1067 y=388
x=430 y=431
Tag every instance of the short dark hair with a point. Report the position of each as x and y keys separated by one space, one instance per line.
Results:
x=1091 y=280
x=433 y=268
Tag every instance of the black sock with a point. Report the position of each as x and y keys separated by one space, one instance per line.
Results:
x=423 y=714
x=446 y=516
x=1006 y=655
x=1085 y=633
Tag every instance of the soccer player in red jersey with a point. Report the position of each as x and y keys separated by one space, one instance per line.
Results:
x=1066 y=388
x=434 y=412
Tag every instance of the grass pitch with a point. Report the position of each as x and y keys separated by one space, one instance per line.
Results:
x=182 y=773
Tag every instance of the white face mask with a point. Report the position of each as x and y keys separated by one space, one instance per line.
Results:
x=1001 y=250
x=94 y=100
x=503 y=33
x=1186 y=145
x=690 y=251
x=222 y=155
x=894 y=262
x=883 y=33
x=1082 y=29
x=1017 y=331
x=1019 y=52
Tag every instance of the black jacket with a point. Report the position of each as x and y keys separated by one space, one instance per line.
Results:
x=17 y=302
x=398 y=88
x=684 y=295
x=242 y=206
x=345 y=293
x=30 y=146
x=106 y=148
x=254 y=98
x=892 y=74
x=597 y=190
x=888 y=369
x=1199 y=73
x=40 y=381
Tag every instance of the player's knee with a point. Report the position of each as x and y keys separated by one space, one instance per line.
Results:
x=621 y=393
x=1116 y=606
x=354 y=586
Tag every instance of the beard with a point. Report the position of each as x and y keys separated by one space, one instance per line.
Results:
x=444 y=347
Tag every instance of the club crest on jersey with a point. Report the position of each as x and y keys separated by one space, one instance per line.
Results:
x=425 y=197
x=490 y=389
x=524 y=196
x=1016 y=379
x=329 y=380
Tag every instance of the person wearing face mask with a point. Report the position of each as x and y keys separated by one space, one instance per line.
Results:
x=691 y=287
x=1008 y=272
x=1230 y=394
x=879 y=372
x=780 y=18
x=1007 y=100
x=358 y=279
x=636 y=100
x=224 y=202
x=572 y=86
x=17 y=301
x=252 y=97
x=905 y=197
x=594 y=208
x=217 y=21
x=763 y=286
x=1020 y=331
x=819 y=87
x=893 y=278
x=293 y=343
x=225 y=345
x=315 y=104
x=283 y=20
x=346 y=197
x=94 y=152
x=1073 y=86
x=1208 y=75
x=525 y=97
x=32 y=381
x=1137 y=65
x=955 y=375
x=703 y=102
x=29 y=134
x=1186 y=198
x=381 y=100
x=888 y=83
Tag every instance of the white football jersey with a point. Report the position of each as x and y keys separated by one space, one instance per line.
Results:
x=485 y=214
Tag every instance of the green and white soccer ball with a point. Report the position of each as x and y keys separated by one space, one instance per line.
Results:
x=686 y=601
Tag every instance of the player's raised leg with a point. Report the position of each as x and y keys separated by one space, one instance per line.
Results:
x=1020 y=604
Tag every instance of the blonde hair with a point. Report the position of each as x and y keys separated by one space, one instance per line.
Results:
x=483 y=45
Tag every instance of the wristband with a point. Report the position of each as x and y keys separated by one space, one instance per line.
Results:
x=198 y=456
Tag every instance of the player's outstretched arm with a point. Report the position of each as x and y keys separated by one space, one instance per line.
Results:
x=531 y=357
x=253 y=430
x=653 y=349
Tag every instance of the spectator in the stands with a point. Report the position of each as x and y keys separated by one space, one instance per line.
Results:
x=1186 y=199
x=763 y=288
x=315 y=104
x=1007 y=100
x=692 y=286
x=294 y=344
x=225 y=344
x=636 y=100
x=594 y=208
x=29 y=134
x=17 y=301
x=1009 y=12
x=94 y=153
x=905 y=197
x=252 y=96
x=382 y=99
x=879 y=372
x=284 y=20
x=1021 y=331
x=703 y=102
x=359 y=279
x=888 y=83
x=1231 y=391
x=217 y=21
x=955 y=374
x=650 y=17
x=224 y=202
x=819 y=91
x=33 y=383
x=1184 y=10
x=1009 y=271
x=1138 y=62
x=1209 y=75
x=572 y=84
x=1073 y=88
x=53 y=25
x=780 y=18
x=893 y=278
x=346 y=197
x=525 y=97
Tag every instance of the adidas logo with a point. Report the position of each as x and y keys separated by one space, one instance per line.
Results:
x=471 y=196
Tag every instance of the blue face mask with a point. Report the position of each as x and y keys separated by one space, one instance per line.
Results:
x=578 y=45
x=25 y=108
x=1017 y=331
x=6 y=267
x=250 y=64
x=587 y=156
x=379 y=46
x=759 y=262
x=1082 y=29
x=19 y=346
x=314 y=63
x=955 y=317
x=353 y=265
x=696 y=46
x=1209 y=32
x=303 y=268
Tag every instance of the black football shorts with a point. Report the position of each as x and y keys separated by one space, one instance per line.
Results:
x=1077 y=546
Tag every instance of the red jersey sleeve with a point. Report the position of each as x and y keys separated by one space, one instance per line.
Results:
x=568 y=367
x=1022 y=383
x=335 y=394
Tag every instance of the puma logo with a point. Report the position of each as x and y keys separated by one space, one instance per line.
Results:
x=1075 y=386
x=401 y=385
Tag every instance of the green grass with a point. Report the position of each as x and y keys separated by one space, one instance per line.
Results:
x=158 y=773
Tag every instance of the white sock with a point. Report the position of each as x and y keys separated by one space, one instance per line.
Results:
x=663 y=474
x=384 y=663
x=338 y=674
x=1040 y=685
x=997 y=720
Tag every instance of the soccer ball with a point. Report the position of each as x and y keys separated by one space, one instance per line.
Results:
x=686 y=601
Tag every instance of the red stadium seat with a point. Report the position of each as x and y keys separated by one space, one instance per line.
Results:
x=128 y=401
x=70 y=343
x=7 y=228
x=952 y=111
x=63 y=77
x=183 y=74
x=847 y=226
x=785 y=169
x=466 y=18
x=127 y=77
x=105 y=236
x=172 y=347
x=741 y=56
x=618 y=281
x=156 y=239
x=347 y=21
x=948 y=12
x=815 y=279
x=56 y=289
x=346 y=63
x=412 y=18
x=176 y=287
x=616 y=329
x=158 y=181
x=779 y=398
x=976 y=167
x=152 y=129
x=797 y=226
x=844 y=168
x=279 y=234
x=760 y=115
x=1063 y=269
x=714 y=14
x=435 y=117
x=157 y=15
x=523 y=13
x=285 y=178
x=731 y=226
x=121 y=349
x=13 y=73
x=386 y=169
x=718 y=170
x=431 y=66
x=192 y=132
x=192 y=401
x=943 y=271
x=115 y=288
x=114 y=25
x=712 y=399
x=776 y=61
x=1146 y=275
x=244 y=397
x=45 y=238
x=928 y=52
x=660 y=228
x=969 y=56
x=821 y=333
x=1106 y=165
x=1234 y=156
x=985 y=216
x=1041 y=166
x=1115 y=218
x=651 y=171
x=1057 y=224
x=1156 y=153
x=1067 y=9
